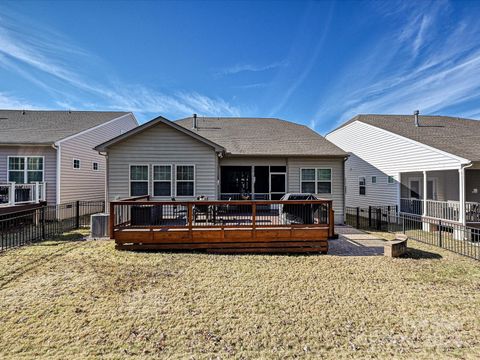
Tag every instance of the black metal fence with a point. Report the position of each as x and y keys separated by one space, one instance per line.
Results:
x=463 y=240
x=35 y=225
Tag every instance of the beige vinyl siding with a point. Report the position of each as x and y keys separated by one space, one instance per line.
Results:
x=50 y=164
x=164 y=145
x=293 y=180
x=85 y=183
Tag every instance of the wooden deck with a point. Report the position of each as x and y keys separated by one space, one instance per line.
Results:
x=222 y=226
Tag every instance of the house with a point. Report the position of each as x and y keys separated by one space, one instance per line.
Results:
x=425 y=165
x=48 y=155
x=223 y=158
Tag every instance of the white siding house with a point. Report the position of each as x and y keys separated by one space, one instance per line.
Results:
x=389 y=164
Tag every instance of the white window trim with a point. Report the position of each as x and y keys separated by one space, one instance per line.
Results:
x=376 y=178
x=388 y=177
x=365 y=185
x=25 y=171
x=194 y=181
x=98 y=166
x=316 y=178
x=171 y=180
x=79 y=164
x=130 y=180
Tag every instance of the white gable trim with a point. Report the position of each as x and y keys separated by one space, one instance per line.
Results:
x=95 y=128
x=425 y=146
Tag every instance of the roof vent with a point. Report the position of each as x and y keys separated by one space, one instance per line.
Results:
x=195 y=122
x=415 y=113
x=23 y=112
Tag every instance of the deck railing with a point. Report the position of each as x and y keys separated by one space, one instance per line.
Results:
x=12 y=194
x=445 y=210
x=141 y=214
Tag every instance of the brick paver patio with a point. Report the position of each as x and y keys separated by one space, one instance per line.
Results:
x=353 y=242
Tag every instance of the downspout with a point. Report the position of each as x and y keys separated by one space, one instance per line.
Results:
x=57 y=147
x=462 y=194
x=106 y=180
x=344 y=185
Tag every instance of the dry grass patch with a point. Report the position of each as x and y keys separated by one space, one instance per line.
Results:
x=83 y=299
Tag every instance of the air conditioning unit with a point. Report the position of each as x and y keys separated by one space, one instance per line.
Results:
x=99 y=226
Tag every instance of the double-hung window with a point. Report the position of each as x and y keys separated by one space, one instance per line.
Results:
x=138 y=180
x=316 y=181
x=185 y=180
x=162 y=180
x=25 y=169
x=362 y=185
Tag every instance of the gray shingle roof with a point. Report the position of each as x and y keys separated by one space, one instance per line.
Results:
x=46 y=127
x=454 y=135
x=262 y=136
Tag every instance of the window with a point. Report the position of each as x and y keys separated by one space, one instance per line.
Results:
x=374 y=179
x=391 y=179
x=162 y=180
x=316 y=181
x=362 y=188
x=185 y=180
x=95 y=166
x=76 y=164
x=25 y=169
x=138 y=180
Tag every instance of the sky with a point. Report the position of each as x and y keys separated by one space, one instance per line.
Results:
x=317 y=63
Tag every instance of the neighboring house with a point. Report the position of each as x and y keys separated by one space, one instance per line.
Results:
x=55 y=150
x=426 y=165
x=223 y=158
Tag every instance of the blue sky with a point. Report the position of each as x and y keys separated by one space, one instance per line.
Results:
x=316 y=63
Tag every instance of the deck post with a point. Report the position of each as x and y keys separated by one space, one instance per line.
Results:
x=11 y=194
x=254 y=219
x=37 y=192
x=190 y=217
x=331 y=222
x=111 y=220
x=369 y=216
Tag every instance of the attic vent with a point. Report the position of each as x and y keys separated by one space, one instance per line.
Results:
x=415 y=113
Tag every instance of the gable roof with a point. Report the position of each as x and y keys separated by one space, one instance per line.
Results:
x=47 y=127
x=457 y=136
x=262 y=137
x=160 y=119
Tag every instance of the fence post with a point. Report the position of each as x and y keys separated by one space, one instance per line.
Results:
x=388 y=218
x=379 y=218
x=77 y=214
x=358 y=218
x=440 y=240
x=369 y=216
x=42 y=221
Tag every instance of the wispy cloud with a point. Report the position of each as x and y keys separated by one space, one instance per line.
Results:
x=9 y=102
x=51 y=62
x=428 y=63
x=238 y=68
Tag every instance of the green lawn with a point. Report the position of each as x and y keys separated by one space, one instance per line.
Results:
x=83 y=299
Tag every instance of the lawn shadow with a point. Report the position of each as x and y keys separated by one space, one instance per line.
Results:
x=420 y=254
